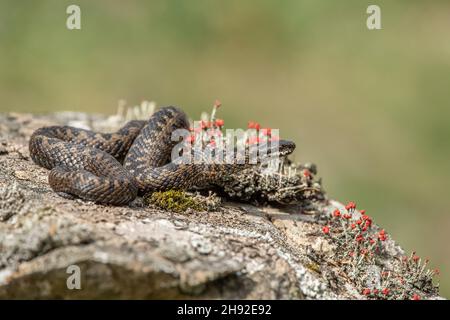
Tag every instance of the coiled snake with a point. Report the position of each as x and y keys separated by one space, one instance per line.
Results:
x=112 y=168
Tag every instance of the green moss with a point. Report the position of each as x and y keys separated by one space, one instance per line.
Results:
x=313 y=267
x=175 y=201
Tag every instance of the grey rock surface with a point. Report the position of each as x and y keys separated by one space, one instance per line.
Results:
x=135 y=251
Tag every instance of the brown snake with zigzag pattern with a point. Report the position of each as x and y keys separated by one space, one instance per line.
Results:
x=112 y=168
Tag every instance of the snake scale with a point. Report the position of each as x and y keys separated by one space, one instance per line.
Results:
x=113 y=168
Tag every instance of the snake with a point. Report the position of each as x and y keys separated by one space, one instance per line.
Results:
x=115 y=168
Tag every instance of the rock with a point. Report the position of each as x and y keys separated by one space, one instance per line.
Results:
x=237 y=251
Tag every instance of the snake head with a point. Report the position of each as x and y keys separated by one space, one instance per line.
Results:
x=263 y=152
x=285 y=147
x=281 y=148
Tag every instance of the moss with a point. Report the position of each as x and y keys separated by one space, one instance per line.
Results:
x=175 y=201
x=314 y=267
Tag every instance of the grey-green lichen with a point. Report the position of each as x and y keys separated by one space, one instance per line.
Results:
x=12 y=200
x=284 y=183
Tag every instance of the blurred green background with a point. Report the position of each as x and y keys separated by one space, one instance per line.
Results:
x=370 y=108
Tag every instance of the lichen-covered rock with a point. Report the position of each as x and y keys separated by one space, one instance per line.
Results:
x=236 y=250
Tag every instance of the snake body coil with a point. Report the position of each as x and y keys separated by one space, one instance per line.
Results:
x=112 y=168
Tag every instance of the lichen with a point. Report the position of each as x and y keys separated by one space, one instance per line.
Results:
x=363 y=253
x=286 y=183
x=12 y=200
